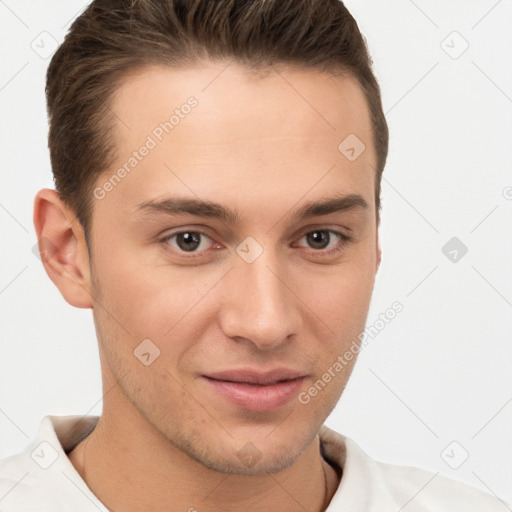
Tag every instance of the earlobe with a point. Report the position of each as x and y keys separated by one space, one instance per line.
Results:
x=62 y=248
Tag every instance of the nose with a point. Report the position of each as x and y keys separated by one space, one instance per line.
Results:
x=260 y=304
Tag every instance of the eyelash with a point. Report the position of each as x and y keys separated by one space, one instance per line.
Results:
x=344 y=240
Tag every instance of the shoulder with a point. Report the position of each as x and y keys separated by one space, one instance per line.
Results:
x=41 y=477
x=374 y=485
x=424 y=490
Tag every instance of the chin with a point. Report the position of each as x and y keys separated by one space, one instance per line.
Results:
x=249 y=458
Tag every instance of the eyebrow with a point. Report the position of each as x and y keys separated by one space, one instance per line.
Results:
x=210 y=209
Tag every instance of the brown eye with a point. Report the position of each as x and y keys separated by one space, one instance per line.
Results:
x=325 y=242
x=318 y=239
x=188 y=241
x=321 y=238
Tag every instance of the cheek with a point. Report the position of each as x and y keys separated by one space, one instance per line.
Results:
x=341 y=298
x=144 y=296
x=152 y=302
x=338 y=309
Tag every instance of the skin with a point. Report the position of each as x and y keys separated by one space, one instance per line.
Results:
x=166 y=440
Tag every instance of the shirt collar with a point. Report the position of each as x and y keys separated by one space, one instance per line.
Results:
x=43 y=473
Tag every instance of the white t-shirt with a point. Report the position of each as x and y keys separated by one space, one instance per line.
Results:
x=42 y=478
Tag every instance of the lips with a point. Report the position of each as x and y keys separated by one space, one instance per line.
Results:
x=256 y=377
x=255 y=390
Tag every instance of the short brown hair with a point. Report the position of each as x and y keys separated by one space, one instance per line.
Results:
x=113 y=37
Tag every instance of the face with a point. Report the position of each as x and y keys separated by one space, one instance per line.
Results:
x=221 y=320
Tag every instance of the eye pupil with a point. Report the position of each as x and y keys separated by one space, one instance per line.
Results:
x=318 y=237
x=184 y=239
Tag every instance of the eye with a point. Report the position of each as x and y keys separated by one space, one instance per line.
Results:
x=189 y=241
x=326 y=241
x=322 y=241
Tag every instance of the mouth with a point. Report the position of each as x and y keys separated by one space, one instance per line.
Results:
x=256 y=391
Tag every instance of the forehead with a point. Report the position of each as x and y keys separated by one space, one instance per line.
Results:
x=304 y=102
x=258 y=137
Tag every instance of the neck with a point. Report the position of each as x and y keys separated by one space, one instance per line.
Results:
x=130 y=466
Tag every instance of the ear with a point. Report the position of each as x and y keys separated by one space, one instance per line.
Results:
x=62 y=248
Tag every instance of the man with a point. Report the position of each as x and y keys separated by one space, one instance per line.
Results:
x=253 y=133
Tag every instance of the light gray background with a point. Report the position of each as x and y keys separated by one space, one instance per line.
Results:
x=441 y=370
